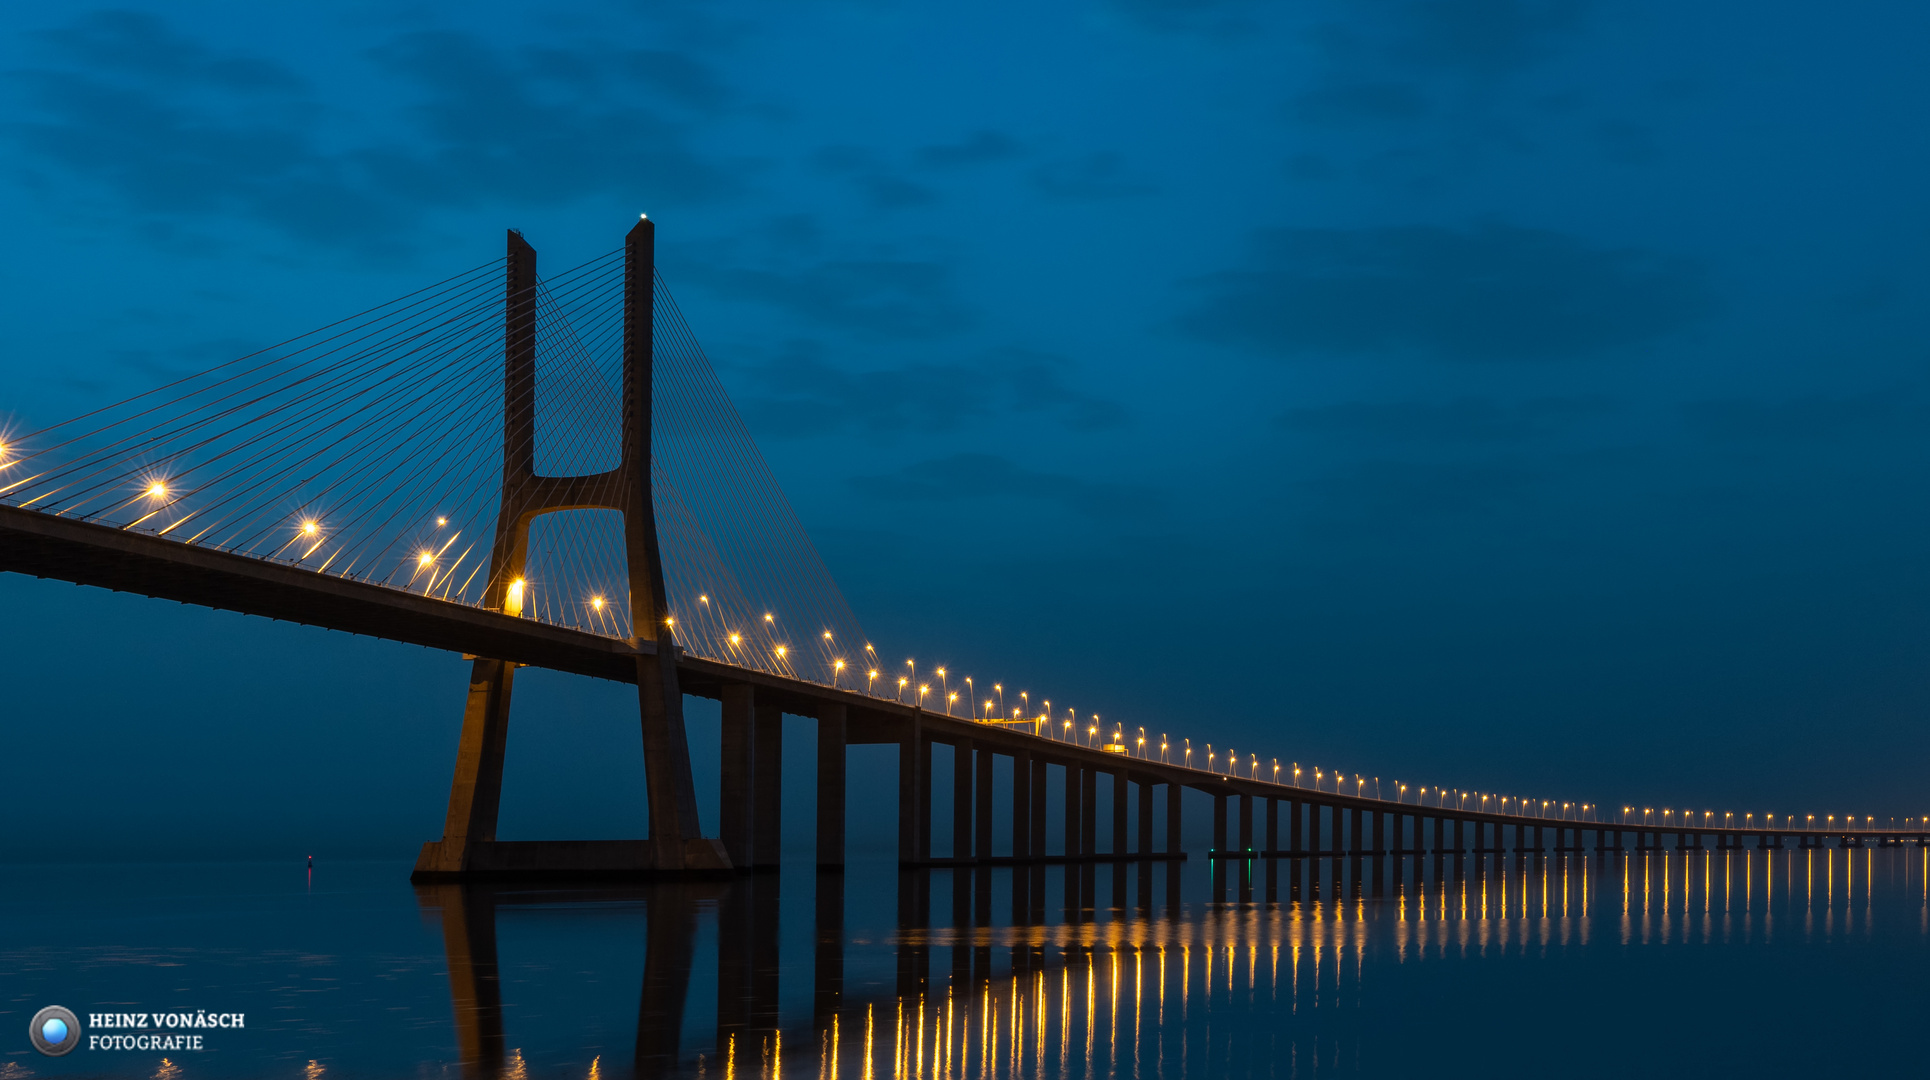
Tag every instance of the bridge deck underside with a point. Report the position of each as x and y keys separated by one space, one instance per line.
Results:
x=47 y=546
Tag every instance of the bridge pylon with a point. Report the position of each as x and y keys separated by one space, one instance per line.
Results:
x=469 y=848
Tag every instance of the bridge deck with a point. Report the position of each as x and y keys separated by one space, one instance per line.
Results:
x=84 y=553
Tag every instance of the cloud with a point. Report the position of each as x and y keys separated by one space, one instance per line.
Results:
x=879 y=185
x=981 y=147
x=1486 y=37
x=876 y=297
x=1811 y=419
x=803 y=394
x=970 y=476
x=1095 y=176
x=181 y=133
x=676 y=76
x=1466 y=420
x=1625 y=143
x=495 y=125
x=1218 y=17
x=141 y=46
x=1383 y=493
x=1347 y=103
x=1493 y=293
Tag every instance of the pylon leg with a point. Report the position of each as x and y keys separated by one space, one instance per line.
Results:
x=477 y=790
x=675 y=838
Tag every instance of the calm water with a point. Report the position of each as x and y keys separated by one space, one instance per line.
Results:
x=1657 y=964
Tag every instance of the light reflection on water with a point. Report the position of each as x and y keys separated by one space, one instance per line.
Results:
x=1288 y=968
x=1093 y=998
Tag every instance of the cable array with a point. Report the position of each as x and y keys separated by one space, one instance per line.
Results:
x=372 y=449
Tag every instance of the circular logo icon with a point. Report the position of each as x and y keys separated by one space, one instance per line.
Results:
x=54 y=1031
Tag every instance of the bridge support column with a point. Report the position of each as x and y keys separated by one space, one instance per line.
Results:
x=1073 y=832
x=1121 y=830
x=767 y=799
x=476 y=792
x=1295 y=809
x=1272 y=831
x=962 y=799
x=1040 y=775
x=1174 y=844
x=982 y=826
x=737 y=773
x=832 y=766
x=1246 y=823
x=912 y=796
x=1088 y=810
x=1145 y=823
x=1219 y=824
x=1021 y=809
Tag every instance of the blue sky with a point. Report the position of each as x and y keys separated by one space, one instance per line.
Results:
x=1518 y=396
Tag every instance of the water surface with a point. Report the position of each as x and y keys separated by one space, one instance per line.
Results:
x=1792 y=963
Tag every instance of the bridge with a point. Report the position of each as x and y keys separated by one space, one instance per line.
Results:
x=546 y=472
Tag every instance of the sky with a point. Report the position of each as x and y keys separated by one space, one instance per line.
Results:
x=1517 y=396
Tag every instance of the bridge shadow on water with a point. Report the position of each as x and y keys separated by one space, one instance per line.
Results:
x=1265 y=967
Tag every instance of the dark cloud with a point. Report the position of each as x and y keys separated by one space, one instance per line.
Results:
x=1098 y=175
x=174 y=129
x=1385 y=494
x=1486 y=37
x=677 y=77
x=980 y=148
x=880 y=187
x=180 y=132
x=1309 y=167
x=1626 y=143
x=1810 y=419
x=972 y=476
x=894 y=192
x=844 y=159
x=1467 y=420
x=1496 y=292
x=1219 y=17
x=1348 y=103
x=141 y=46
x=803 y=394
x=878 y=297
x=494 y=125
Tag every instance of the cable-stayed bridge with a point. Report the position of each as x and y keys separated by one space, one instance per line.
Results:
x=546 y=471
